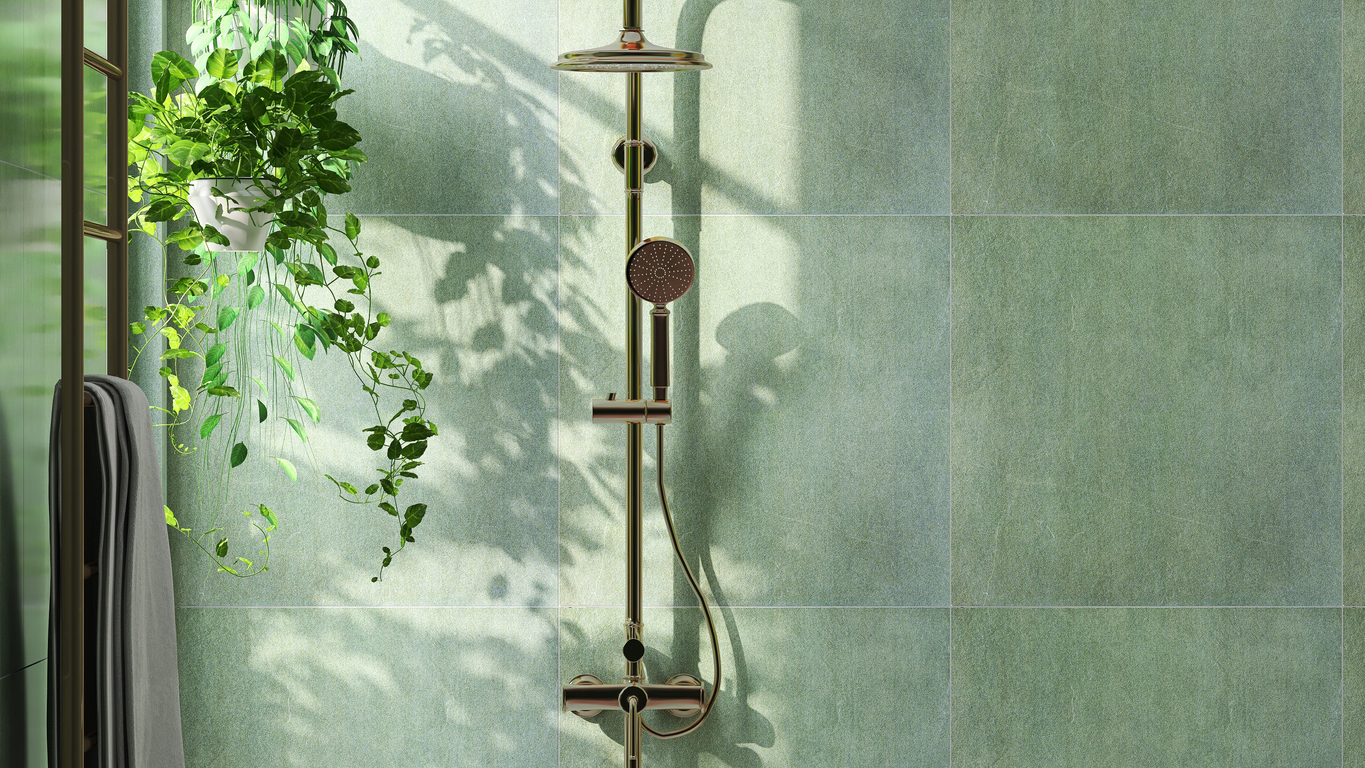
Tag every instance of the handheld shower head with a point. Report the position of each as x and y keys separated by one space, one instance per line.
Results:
x=659 y=270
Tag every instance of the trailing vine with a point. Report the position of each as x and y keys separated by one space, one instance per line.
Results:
x=256 y=120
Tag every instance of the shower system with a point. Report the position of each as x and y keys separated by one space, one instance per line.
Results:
x=658 y=271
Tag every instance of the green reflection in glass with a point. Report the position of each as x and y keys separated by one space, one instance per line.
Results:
x=96 y=305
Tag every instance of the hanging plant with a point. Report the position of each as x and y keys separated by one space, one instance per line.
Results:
x=280 y=134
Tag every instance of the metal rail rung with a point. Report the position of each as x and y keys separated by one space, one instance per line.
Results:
x=91 y=229
x=104 y=66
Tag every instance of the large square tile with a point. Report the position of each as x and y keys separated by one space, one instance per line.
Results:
x=1098 y=107
x=457 y=108
x=799 y=686
x=1146 y=411
x=818 y=108
x=474 y=299
x=1147 y=686
x=389 y=686
x=810 y=392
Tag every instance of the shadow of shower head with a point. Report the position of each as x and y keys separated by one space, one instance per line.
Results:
x=659 y=270
x=631 y=53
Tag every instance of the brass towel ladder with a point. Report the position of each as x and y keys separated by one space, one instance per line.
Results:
x=75 y=734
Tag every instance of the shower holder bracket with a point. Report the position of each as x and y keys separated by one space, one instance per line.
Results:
x=632 y=411
x=618 y=155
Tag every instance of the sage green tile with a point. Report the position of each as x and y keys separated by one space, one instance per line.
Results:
x=795 y=686
x=1353 y=687
x=1353 y=413
x=391 y=686
x=1147 y=686
x=1146 y=411
x=457 y=108
x=593 y=113
x=1087 y=106
x=791 y=119
x=1353 y=104
x=810 y=422
x=474 y=299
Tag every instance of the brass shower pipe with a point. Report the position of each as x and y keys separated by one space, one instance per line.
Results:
x=658 y=270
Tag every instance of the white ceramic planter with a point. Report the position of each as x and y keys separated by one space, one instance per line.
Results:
x=245 y=231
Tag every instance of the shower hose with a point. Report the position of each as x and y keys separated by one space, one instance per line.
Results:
x=691 y=580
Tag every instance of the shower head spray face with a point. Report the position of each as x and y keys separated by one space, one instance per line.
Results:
x=659 y=270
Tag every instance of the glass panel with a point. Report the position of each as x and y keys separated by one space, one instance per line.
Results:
x=96 y=305
x=97 y=26
x=96 y=177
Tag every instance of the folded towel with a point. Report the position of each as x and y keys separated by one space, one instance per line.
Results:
x=135 y=656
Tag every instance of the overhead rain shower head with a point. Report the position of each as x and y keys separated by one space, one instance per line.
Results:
x=659 y=270
x=631 y=53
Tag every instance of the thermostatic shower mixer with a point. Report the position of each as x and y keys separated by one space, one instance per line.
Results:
x=659 y=271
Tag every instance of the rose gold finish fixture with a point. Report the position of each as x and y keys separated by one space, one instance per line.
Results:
x=658 y=271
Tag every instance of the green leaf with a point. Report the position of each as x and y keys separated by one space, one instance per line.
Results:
x=352 y=226
x=329 y=253
x=222 y=391
x=215 y=354
x=226 y=316
x=311 y=408
x=298 y=428
x=169 y=70
x=238 y=455
x=247 y=261
x=269 y=514
x=180 y=398
x=162 y=210
x=255 y=296
x=376 y=441
x=209 y=425
x=175 y=354
x=185 y=152
x=221 y=551
x=222 y=64
x=260 y=410
x=303 y=339
x=288 y=468
x=285 y=366
x=269 y=68
x=170 y=517
x=137 y=329
x=211 y=374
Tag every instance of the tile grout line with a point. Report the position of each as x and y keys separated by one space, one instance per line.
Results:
x=836 y=214
x=747 y=607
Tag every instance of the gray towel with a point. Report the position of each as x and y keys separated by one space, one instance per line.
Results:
x=137 y=679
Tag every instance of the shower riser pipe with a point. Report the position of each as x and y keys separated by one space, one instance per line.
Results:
x=635 y=448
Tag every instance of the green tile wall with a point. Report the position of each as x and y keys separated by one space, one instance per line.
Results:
x=1146 y=411
x=1018 y=401
x=1147 y=686
x=1097 y=107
